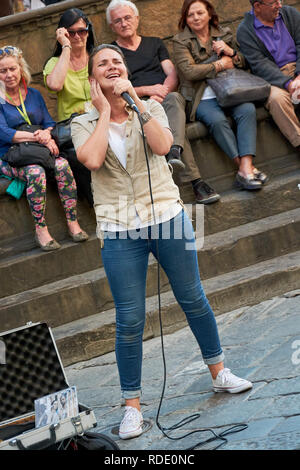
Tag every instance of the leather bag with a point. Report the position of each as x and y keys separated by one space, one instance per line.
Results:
x=236 y=86
x=29 y=153
x=61 y=133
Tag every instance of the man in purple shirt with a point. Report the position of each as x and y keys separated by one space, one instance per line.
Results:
x=269 y=38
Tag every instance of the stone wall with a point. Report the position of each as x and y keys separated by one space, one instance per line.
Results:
x=34 y=31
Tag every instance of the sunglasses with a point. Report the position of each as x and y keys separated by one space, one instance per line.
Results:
x=8 y=50
x=80 y=32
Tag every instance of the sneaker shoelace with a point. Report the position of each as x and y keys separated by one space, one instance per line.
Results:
x=206 y=188
x=225 y=376
x=131 y=416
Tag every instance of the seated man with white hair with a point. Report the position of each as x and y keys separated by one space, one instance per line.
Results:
x=154 y=76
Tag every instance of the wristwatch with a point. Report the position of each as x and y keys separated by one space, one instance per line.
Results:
x=234 y=53
x=145 y=117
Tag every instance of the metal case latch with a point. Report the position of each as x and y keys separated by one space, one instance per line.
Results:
x=76 y=421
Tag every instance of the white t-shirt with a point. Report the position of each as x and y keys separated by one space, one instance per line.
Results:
x=208 y=93
x=117 y=142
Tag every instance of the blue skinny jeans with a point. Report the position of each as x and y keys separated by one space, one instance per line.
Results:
x=244 y=115
x=125 y=258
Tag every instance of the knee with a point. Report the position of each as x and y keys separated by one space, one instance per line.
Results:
x=35 y=173
x=278 y=98
x=247 y=109
x=132 y=328
x=61 y=165
x=174 y=100
x=218 y=125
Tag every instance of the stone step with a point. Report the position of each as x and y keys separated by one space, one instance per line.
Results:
x=35 y=268
x=82 y=295
x=23 y=267
x=234 y=208
x=93 y=336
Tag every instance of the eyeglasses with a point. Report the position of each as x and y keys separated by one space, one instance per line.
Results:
x=8 y=50
x=80 y=32
x=127 y=18
x=271 y=4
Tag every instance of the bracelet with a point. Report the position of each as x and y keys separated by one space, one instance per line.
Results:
x=66 y=45
x=145 y=117
x=221 y=65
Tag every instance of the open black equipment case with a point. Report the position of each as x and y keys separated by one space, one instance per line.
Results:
x=32 y=369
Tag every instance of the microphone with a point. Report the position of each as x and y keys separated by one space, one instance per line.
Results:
x=126 y=97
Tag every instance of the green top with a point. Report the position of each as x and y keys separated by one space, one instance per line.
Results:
x=75 y=93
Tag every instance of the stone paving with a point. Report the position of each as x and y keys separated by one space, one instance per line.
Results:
x=261 y=343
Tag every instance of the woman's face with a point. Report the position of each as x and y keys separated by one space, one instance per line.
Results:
x=108 y=65
x=78 y=33
x=197 y=17
x=10 y=73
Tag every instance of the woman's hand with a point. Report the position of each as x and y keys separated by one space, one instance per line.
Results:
x=63 y=37
x=43 y=136
x=97 y=97
x=222 y=49
x=122 y=85
x=225 y=63
x=52 y=147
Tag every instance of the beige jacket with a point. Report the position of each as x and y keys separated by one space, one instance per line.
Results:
x=189 y=55
x=121 y=193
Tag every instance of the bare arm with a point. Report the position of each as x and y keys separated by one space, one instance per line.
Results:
x=160 y=91
x=171 y=80
x=55 y=80
x=92 y=153
x=23 y=136
x=159 y=138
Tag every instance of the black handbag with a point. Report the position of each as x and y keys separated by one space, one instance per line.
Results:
x=236 y=86
x=61 y=133
x=29 y=153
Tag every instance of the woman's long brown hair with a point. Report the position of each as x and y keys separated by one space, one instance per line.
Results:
x=214 y=20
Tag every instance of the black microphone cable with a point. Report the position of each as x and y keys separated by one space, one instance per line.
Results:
x=215 y=436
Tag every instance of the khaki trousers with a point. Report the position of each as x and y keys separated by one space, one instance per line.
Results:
x=282 y=110
x=174 y=106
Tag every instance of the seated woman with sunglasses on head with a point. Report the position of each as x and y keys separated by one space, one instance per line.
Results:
x=66 y=73
x=21 y=104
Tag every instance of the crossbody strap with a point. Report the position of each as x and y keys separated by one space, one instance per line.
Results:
x=22 y=111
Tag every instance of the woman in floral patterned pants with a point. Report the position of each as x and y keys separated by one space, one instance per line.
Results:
x=35 y=178
x=21 y=104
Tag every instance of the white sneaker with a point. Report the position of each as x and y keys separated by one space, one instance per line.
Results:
x=228 y=382
x=131 y=424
